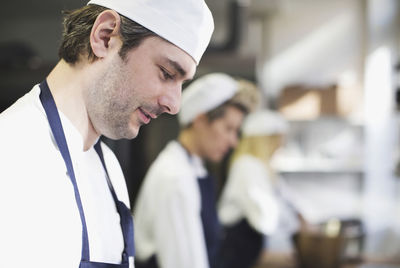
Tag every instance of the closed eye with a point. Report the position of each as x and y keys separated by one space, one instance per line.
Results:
x=166 y=75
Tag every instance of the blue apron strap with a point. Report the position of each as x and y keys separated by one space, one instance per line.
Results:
x=99 y=151
x=123 y=210
x=127 y=230
x=56 y=127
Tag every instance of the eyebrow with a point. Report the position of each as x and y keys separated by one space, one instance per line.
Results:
x=177 y=67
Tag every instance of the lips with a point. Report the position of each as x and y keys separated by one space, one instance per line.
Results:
x=146 y=116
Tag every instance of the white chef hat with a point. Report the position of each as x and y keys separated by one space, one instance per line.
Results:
x=264 y=122
x=188 y=24
x=205 y=94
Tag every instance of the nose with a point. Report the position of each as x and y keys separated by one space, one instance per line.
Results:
x=170 y=101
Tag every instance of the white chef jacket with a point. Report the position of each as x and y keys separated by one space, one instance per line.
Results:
x=248 y=194
x=40 y=223
x=167 y=212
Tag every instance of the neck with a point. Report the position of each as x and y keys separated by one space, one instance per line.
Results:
x=67 y=84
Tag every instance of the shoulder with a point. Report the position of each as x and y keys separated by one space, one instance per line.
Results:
x=25 y=132
x=24 y=121
x=246 y=169
x=24 y=108
x=246 y=163
x=171 y=173
x=172 y=163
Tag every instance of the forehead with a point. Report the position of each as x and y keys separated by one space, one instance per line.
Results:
x=165 y=52
x=232 y=115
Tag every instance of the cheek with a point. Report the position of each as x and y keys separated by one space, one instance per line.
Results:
x=218 y=142
x=144 y=88
x=133 y=91
x=221 y=136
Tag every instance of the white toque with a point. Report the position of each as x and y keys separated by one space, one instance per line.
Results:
x=264 y=123
x=205 y=94
x=188 y=24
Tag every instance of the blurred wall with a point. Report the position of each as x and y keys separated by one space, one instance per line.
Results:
x=381 y=188
x=35 y=23
x=312 y=42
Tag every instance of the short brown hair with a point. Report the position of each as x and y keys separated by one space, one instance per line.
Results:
x=219 y=111
x=75 y=42
x=246 y=99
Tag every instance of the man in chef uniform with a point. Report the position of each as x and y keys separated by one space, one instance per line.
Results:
x=175 y=213
x=63 y=198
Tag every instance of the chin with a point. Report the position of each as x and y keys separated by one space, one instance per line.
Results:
x=132 y=134
x=128 y=134
x=216 y=158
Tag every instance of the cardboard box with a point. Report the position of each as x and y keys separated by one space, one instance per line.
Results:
x=305 y=103
x=316 y=250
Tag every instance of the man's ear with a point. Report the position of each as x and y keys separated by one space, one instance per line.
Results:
x=104 y=31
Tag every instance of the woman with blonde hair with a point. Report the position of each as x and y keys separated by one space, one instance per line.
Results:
x=248 y=207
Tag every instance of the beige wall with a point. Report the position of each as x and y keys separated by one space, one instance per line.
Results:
x=312 y=42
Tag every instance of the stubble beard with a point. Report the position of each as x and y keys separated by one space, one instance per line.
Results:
x=110 y=104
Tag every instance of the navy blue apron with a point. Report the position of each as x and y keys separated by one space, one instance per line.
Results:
x=209 y=218
x=241 y=246
x=149 y=263
x=126 y=219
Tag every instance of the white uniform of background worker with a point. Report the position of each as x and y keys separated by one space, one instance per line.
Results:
x=128 y=69
x=175 y=214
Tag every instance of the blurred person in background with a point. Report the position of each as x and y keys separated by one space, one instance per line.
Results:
x=63 y=197
x=175 y=213
x=249 y=204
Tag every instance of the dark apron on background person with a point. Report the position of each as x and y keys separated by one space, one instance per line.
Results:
x=241 y=246
x=149 y=263
x=209 y=218
x=125 y=215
